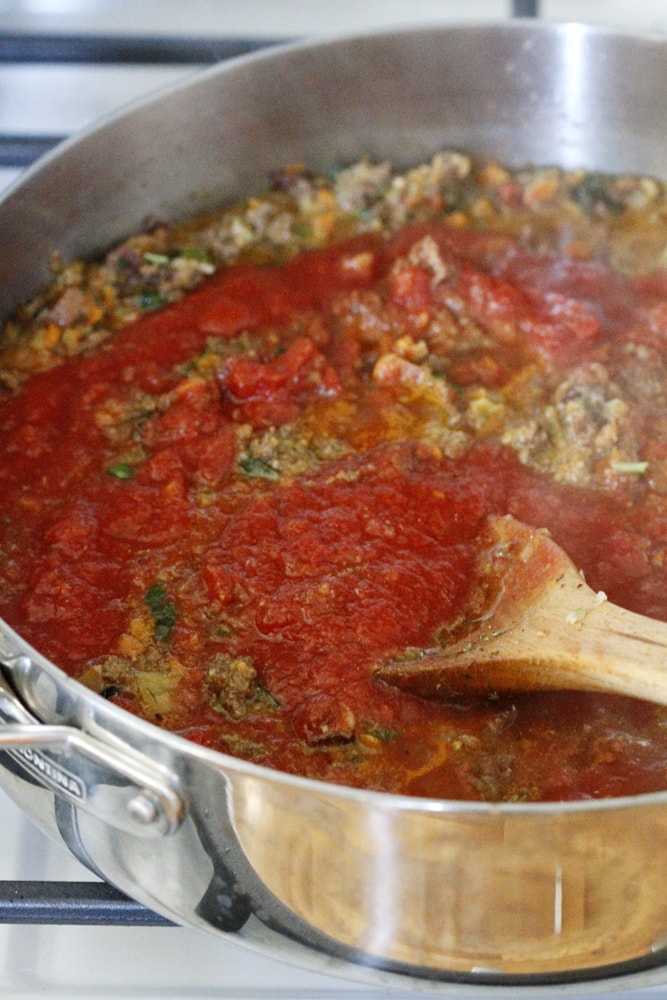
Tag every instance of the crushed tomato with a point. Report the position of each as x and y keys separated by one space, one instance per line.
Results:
x=225 y=516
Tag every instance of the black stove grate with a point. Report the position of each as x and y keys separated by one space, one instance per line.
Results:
x=16 y=48
x=56 y=902
x=104 y=50
x=122 y=50
x=27 y=902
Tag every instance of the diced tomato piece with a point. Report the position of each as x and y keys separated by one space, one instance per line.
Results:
x=411 y=288
x=267 y=393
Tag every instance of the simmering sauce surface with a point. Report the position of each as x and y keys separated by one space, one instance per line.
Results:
x=223 y=513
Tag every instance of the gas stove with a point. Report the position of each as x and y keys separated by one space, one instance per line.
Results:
x=63 y=64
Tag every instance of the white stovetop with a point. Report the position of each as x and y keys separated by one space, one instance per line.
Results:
x=161 y=963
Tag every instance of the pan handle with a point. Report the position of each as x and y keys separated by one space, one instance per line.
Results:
x=117 y=785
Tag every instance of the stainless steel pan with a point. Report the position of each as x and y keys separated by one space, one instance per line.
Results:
x=378 y=887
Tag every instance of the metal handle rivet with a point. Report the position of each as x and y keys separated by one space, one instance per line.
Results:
x=143 y=808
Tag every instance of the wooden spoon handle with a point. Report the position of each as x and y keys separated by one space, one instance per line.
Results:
x=594 y=646
x=547 y=630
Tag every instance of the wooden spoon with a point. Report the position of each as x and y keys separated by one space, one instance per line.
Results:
x=542 y=628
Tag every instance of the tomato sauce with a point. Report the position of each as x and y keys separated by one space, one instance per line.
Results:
x=224 y=517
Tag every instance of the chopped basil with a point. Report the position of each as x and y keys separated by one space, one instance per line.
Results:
x=257 y=468
x=121 y=471
x=162 y=609
x=267 y=697
x=151 y=299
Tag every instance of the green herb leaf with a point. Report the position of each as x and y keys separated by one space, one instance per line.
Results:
x=267 y=697
x=121 y=471
x=257 y=468
x=157 y=259
x=596 y=189
x=151 y=299
x=383 y=733
x=195 y=253
x=630 y=468
x=162 y=609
